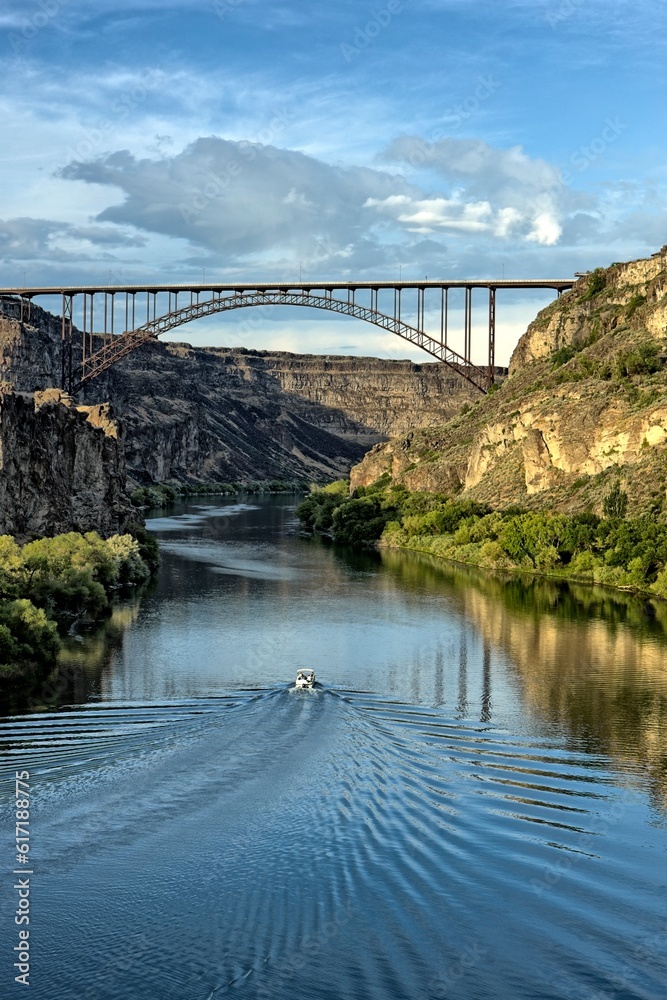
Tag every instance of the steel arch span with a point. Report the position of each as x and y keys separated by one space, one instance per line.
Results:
x=99 y=313
x=119 y=347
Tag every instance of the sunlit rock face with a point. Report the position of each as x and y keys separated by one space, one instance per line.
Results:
x=584 y=405
x=573 y=318
x=62 y=467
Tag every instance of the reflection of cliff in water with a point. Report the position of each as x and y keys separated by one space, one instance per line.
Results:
x=590 y=660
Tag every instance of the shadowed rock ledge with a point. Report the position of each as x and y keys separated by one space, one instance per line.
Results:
x=62 y=467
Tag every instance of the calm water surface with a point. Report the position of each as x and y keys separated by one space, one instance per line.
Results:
x=471 y=804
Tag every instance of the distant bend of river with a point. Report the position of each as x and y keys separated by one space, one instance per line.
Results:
x=471 y=803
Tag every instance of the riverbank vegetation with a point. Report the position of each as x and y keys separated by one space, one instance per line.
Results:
x=49 y=585
x=612 y=550
x=164 y=494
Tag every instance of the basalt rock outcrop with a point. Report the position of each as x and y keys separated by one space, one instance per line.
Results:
x=62 y=466
x=212 y=414
x=584 y=406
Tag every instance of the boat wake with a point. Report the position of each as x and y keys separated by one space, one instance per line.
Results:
x=327 y=844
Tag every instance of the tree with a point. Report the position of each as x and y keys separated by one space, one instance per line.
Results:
x=615 y=504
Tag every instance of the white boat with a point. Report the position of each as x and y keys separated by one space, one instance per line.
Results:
x=305 y=678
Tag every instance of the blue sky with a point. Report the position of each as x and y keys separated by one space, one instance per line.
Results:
x=243 y=138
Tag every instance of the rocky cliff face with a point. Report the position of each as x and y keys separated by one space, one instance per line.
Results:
x=229 y=414
x=585 y=404
x=62 y=467
x=585 y=314
x=29 y=347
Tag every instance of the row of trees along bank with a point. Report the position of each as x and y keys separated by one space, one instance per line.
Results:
x=164 y=494
x=48 y=585
x=612 y=550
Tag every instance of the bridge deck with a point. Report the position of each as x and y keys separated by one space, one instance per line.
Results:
x=558 y=284
x=120 y=306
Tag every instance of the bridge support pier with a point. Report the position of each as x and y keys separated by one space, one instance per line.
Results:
x=25 y=308
x=492 y=336
x=66 y=341
x=467 y=320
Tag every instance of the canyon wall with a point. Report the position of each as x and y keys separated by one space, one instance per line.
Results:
x=584 y=406
x=226 y=414
x=62 y=467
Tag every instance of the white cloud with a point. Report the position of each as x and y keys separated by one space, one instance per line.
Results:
x=502 y=192
x=240 y=199
x=428 y=215
x=546 y=230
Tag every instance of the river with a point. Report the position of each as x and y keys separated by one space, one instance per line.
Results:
x=472 y=803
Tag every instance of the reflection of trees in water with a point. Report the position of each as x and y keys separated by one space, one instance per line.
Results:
x=486 y=684
x=462 y=703
x=591 y=661
x=439 y=678
x=82 y=664
x=358 y=560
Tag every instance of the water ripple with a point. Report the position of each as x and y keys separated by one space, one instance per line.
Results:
x=273 y=843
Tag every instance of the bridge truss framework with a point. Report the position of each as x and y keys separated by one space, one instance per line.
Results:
x=112 y=306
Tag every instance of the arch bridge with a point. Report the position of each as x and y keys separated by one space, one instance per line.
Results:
x=114 y=320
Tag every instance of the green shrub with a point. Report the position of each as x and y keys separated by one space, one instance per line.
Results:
x=659 y=586
x=491 y=554
x=341 y=488
x=55 y=579
x=316 y=511
x=27 y=636
x=361 y=521
x=125 y=552
x=633 y=305
x=596 y=283
x=642 y=360
x=140 y=497
x=73 y=572
x=611 y=550
x=148 y=546
x=486 y=527
x=584 y=564
x=10 y=565
x=563 y=355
